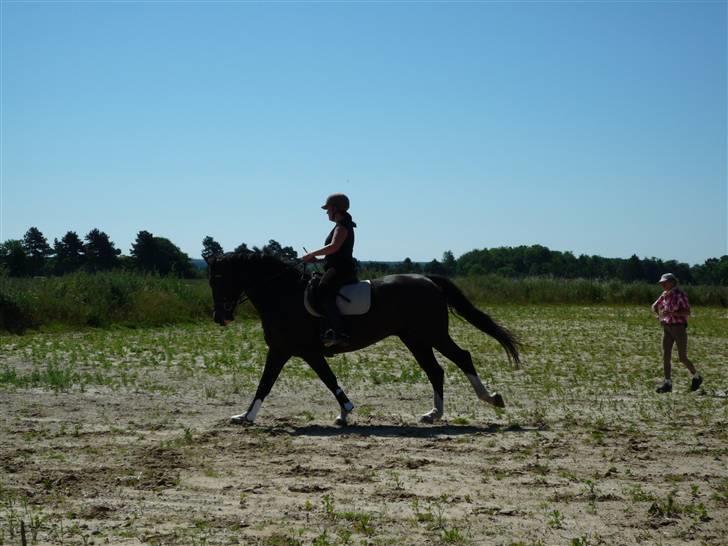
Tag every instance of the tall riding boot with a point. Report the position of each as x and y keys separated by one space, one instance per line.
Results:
x=334 y=333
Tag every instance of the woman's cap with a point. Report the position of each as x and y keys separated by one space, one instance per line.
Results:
x=668 y=277
x=338 y=200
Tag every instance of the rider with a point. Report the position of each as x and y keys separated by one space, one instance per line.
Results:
x=339 y=266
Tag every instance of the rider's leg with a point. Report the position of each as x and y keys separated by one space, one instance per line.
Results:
x=328 y=289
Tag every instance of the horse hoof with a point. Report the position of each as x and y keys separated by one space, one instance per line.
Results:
x=340 y=421
x=498 y=401
x=427 y=419
x=241 y=419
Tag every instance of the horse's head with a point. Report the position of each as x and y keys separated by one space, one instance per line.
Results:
x=253 y=273
x=227 y=285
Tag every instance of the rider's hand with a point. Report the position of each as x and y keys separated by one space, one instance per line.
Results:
x=309 y=258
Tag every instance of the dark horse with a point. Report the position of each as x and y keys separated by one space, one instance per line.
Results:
x=413 y=307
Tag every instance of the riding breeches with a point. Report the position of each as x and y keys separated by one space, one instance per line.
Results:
x=328 y=290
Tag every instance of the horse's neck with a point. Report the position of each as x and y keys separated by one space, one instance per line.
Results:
x=274 y=291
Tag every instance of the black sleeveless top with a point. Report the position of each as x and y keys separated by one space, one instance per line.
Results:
x=343 y=259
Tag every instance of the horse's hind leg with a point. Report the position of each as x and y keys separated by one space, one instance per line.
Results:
x=427 y=361
x=464 y=361
x=323 y=370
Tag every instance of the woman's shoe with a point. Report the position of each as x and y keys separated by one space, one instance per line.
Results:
x=695 y=383
x=666 y=387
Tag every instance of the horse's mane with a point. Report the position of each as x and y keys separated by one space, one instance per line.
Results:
x=261 y=265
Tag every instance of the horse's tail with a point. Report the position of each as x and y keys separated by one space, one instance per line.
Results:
x=460 y=304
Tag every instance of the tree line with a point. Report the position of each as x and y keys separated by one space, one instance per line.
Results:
x=34 y=256
x=539 y=261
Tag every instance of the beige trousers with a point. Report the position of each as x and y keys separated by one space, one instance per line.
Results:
x=675 y=334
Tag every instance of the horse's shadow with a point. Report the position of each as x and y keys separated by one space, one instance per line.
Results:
x=396 y=431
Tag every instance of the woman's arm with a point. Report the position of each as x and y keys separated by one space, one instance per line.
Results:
x=340 y=235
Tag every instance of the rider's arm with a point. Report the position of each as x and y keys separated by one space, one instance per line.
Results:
x=340 y=235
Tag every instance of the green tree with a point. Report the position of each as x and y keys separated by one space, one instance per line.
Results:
x=100 y=252
x=172 y=261
x=435 y=268
x=159 y=255
x=13 y=258
x=285 y=253
x=37 y=249
x=713 y=271
x=631 y=270
x=407 y=266
x=144 y=252
x=68 y=252
x=449 y=262
x=242 y=248
x=210 y=247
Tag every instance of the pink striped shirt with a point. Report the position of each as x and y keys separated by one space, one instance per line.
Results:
x=672 y=301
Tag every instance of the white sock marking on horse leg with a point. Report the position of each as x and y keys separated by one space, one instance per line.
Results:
x=341 y=420
x=248 y=416
x=480 y=390
x=435 y=413
x=253 y=413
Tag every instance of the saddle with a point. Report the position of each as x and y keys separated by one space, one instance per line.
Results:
x=353 y=299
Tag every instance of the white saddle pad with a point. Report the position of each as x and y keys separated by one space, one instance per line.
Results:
x=356 y=300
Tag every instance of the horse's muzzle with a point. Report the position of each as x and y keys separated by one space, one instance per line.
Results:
x=222 y=316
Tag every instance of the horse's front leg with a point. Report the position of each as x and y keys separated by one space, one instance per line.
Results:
x=274 y=363
x=323 y=370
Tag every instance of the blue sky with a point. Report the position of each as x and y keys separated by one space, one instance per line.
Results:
x=594 y=127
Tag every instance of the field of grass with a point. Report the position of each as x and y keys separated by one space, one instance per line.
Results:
x=120 y=436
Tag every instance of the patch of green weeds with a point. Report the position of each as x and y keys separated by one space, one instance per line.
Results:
x=637 y=494
x=555 y=519
x=453 y=536
x=592 y=494
x=327 y=503
x=15 y=511
x=670 y=508
x=323 y=540
x=360 y=522
x=720 y=495
x=421 y=516
x=277 y=539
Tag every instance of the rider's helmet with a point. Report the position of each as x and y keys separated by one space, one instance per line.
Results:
x=338 y=201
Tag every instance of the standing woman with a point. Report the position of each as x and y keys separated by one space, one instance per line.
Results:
x=673 y=309
x=339 y=267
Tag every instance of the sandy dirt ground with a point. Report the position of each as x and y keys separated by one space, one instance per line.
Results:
x=111 y=465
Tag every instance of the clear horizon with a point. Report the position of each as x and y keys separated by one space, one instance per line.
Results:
x=592 y=127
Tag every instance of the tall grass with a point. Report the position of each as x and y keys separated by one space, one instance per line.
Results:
x=101 y=299
x=535 y=290
x=130 y=299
